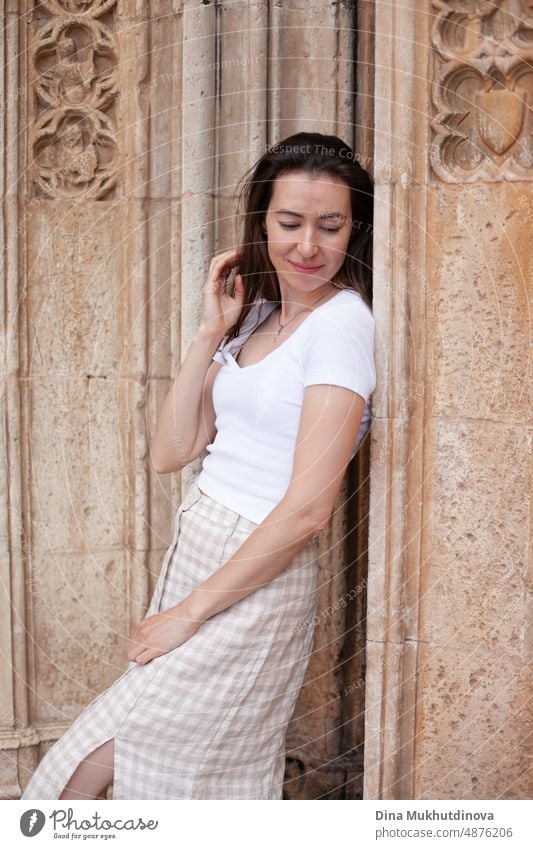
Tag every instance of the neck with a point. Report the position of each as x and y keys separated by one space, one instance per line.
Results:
x=294 y=302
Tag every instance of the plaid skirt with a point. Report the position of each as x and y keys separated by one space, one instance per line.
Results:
x=208 y=719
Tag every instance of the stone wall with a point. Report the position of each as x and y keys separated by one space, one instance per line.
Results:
x=449 y=648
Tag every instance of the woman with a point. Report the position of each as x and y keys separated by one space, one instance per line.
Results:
x=275 y=388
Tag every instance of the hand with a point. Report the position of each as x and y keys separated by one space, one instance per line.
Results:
x=159 y=634
x=220 y=310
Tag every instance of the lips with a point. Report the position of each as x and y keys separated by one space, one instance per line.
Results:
x=307 y=268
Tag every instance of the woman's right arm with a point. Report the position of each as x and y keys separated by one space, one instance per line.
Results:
x=186 y=423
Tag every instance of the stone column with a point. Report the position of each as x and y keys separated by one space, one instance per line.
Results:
x=85 y=272
x=449 y=600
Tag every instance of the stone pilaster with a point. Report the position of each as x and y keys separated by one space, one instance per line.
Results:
x=449 y=628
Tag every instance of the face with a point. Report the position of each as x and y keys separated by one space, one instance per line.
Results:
x=308 y=225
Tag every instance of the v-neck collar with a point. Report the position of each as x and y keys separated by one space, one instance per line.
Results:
x=270 y=306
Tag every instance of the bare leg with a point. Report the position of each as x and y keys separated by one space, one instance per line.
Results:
x=93 y=775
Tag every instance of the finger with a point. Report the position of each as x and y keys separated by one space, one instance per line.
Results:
x=218 y=262
x=136 y=646
x=134 y=651
x=239 y=284
x=137 y=653
x=147 y=655
x=222 y=257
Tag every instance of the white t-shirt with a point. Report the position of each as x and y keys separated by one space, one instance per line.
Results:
x=249 y=463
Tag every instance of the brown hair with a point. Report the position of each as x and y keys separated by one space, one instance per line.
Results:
x=315 y=154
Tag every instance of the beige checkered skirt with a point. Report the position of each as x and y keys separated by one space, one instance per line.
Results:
x=208 y=719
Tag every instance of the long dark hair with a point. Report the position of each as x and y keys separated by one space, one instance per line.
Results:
x=315 y=154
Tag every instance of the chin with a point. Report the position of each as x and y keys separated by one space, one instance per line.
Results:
x=291 y=273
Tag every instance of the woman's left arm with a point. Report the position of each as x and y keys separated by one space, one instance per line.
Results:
x=329 y=424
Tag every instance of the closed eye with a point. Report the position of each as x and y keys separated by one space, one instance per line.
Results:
x=292 y=226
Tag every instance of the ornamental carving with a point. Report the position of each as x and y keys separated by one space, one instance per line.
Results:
x=482 y=90
x=74 y=60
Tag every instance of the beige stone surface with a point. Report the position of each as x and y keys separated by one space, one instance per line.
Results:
x=449 y=637
x=474 y=593
x=79 y=496
x=474 y=721
x=73 y=278
x=78 y=645
x=479 y=291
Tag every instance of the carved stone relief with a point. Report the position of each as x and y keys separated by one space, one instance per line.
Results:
x=74 y=59
x=482 y=90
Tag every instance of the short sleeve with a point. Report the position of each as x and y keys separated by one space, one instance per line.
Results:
x=339 y=349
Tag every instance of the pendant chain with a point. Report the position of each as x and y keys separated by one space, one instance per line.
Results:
x=281 y=326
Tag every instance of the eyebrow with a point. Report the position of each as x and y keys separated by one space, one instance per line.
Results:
x=323 y=215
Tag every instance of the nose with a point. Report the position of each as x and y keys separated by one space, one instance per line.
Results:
x=307 y=247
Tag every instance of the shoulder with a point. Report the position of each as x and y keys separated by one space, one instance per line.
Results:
x=338 y=348
x=346 y=310
x=343 y=327
x=259 y=310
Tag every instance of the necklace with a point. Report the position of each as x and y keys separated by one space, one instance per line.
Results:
x=281 y=326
